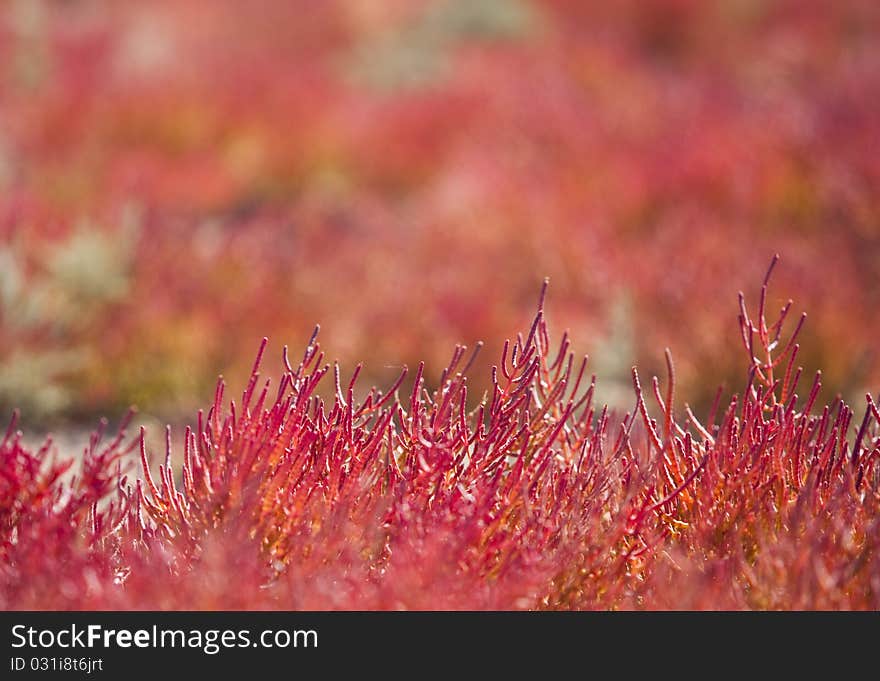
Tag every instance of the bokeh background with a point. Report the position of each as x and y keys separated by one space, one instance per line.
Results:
x=179 y=178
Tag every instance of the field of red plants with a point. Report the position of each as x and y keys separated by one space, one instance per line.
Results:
x=182 y=178
x=535 y=497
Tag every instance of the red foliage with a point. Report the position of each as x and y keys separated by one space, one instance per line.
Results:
x=640 y=153
x=533 y=497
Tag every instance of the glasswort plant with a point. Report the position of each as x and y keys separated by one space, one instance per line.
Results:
x=533 y=496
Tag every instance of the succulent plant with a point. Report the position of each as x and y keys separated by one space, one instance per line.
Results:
x=533 y=496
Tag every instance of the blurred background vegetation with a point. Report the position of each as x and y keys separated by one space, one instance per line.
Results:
x=179 y=178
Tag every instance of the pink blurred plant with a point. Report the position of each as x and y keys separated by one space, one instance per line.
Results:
x=347 y=146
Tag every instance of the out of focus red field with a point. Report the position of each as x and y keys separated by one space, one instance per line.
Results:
x=180 y=178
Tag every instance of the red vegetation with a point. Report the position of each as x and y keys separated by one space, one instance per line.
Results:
x=533 y=497
x=422 y=152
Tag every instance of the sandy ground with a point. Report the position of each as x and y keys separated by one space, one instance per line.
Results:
x=72 y=440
